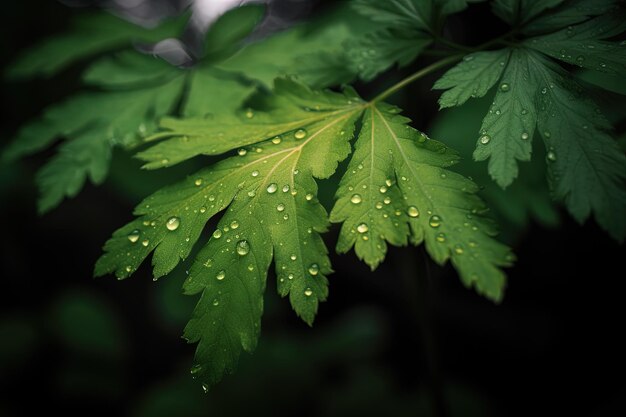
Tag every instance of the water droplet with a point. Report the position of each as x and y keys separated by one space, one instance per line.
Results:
x=255 y=173
x=134 y=236
x=195 y=369
x=551 y=156
x=272 y=188
x=285 y=188
x=217 y=234
x=172 y=223
x=145 y=242
x=309 y=197
x=525 y=136
x=234 y=224
x=383 y=189
x=412 y=211
x=293 y=257
x=290 y=277
x=216 y=302
x=314 y=269
x=280 y=207
x=205 y=388
x=485 y=139
x=435 y=221
x=242 y=152
x=308 y=292
x=362 y=228
x=220 y=275
x=249 y=113
x=504 y=87
x=356 y=199
x=544 y=90
x=524 y=111
x=243 y=247
x=458 y=249
x=300 y=134
x=277 y=140
x=387 y=200
x=580 y=59
x=440 y=237
x=198 y=182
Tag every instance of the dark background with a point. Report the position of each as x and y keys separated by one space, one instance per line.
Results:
x=407 y=339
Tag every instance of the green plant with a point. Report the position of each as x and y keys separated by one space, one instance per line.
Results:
x=263 y=109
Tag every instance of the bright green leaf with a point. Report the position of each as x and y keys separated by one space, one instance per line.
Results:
x=397 y=188
x=472 y=78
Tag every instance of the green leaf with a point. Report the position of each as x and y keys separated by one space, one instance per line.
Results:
x=231 y=28
x=586 y=166
x=268 y=194
x=568 y=13
x=507 y=130
x=376 y=52
x=582 y=45
x=472 y=78
x=90 y=35
x=416 y=14
x=121 y=119
x=397 y=188
x=520 y=12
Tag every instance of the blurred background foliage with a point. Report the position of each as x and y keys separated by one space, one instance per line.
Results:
x=407 y=339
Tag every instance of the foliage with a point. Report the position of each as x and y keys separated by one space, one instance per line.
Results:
x=269 y=146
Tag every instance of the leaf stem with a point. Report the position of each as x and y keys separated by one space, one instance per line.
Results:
x=416 y=76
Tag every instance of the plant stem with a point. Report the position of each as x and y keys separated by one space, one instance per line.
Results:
x=416 y=76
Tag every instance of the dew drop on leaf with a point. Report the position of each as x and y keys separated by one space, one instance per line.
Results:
x=525 y=136
x=383 y=189
x=242 y=152
x=134 y=236
x=309 y=197
x=234 y=224
x=255 y=173
x=308 y=292
x=172 y=223
x=220 y=275
x=195 y=369
x=362 y=228
x=505 y=87
x=356 y=199
x=300 y=134
x=285 y=188
x=280 y=207
x=217 y=234
x=412 y=211
x=485 y=139
x=272 y=188
x=276 y=140
x=551 y=156
x=314 y=269
x=440 y=237
x=435 y=221
x=243 y=247
x=145 y=243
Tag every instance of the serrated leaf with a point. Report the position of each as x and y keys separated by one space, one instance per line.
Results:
x=286 y=111
x=520 y=12
x=473 y=77
x=271 y=211
x=586 y=166
x=507 y=131
x=583 y=45
x=416 y=14
x=90 y=35
x=568 y=13
x=397 y=188
x=121 y=119
x=378 y=51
